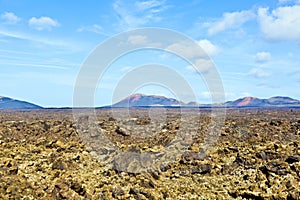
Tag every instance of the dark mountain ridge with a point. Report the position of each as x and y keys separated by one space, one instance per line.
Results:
x=13 y=104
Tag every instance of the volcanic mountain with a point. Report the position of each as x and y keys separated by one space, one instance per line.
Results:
x=277 y=101
x=282 y=101
x=9 y=103
x=142 y=100
x=247 y=102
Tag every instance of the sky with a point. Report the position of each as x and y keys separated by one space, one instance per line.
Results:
x=254 y=45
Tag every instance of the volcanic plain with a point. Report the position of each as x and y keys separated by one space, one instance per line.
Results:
x=256 y=155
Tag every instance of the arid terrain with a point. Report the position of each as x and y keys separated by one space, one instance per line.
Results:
x=44 y=155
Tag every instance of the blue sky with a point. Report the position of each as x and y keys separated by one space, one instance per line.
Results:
x=255 y=45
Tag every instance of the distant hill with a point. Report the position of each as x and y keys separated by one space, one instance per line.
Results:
x=9 y=103
x=142 y=100
x=247 y=102
x=277 y=101
x=282 y=101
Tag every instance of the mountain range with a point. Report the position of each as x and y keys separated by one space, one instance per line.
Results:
x=9 y=103
x=142 y=100
x=277 y=101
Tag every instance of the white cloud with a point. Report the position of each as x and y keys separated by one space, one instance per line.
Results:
x=262 y=57
x=191 y=50
x=138 y=39
x=187 y=50
x=126 y=69
x=202 y=66
x=46 y=66
x=95 y=28
x=142 y=40
x=191 y=68
x=215 y=96
x=258 y=73
x=281 y=24
x=63 y=43
x=206 y=95
x=133 y=14
x=42 y=23
x=246 y=94
x=208 y=47
x=153 y=5
x=10 y=18
x=230 y=21
x=183 y=49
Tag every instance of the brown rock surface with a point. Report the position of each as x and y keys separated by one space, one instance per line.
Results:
x=255 y=157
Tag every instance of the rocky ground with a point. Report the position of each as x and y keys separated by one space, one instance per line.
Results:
x=256 y=156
